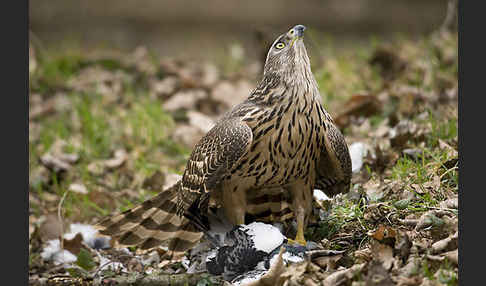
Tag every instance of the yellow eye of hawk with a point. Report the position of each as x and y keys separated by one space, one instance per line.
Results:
x=280 y=46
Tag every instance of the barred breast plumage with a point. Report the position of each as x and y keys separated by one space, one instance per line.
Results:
x=263 y=159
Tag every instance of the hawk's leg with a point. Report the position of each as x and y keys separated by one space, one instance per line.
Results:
x=234 y=202
x=302 y=207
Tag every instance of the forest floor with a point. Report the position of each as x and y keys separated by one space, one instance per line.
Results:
x=107 y=132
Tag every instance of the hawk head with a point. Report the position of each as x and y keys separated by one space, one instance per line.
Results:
x=287 y=57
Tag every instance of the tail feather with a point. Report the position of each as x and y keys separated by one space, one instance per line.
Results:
x=152 y=223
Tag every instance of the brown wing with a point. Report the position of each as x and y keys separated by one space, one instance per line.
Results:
x=334 y=166
x=209 y=163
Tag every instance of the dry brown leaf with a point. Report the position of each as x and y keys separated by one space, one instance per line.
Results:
x=55 y=164
x=411 y=268
x=230 y=93
x=408 y=281
x=382 y=253
x=452 y=256
x=96 y=168
x=141 y=59
x=294 y=273
x=375 y=212
x=187 y=134
x=374 y=190
x=340 y=277
x=451 y=152
x=120 y=156
x=384 y=234
x=78 y=188
x=326 y=259
x=155 y=182
x=51 y=227
x=99 y=167
x=101 y=198
x=358 y=105
x=403 y=246
x=401 y=133
x=378 y=275
x=363 y=255
x=164 y=87
x=450 y=203
x=75 y=244
x=429 y=219
x=185 y=99
x=200 y=121
x=446 y=244
x=390 y=63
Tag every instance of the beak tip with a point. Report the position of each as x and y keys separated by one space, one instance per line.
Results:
x=299 y=29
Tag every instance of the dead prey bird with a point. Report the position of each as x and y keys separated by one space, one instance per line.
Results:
x=261 y=161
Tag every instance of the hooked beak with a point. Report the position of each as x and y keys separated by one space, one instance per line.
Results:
x=299 y=30
x=296 y=33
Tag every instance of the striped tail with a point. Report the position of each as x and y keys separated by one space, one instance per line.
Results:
x=152 y=223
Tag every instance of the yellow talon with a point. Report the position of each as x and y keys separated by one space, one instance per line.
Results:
x=299 y=238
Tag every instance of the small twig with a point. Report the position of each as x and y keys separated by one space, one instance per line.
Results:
x=449 y=170
x=388 y=217
x=361 y=224
x=361 y=242
x=59 y=217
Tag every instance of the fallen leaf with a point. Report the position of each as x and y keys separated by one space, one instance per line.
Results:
x=429 y=219
x=401 y=133
x=96 y=168
x=452 y=256
x=412 y=153
x=165 y=87
x=363 y=255
x=450 y=204
x=200 y=121
x=55 y=164
x=341 y=277
x=326 y=259
x=74 y=245
x=451 y=152
x=384 y=234
x=50 y=228
x=101 y=198
x=408 y=281
x=230 y=94
x=446 y=244
x=377 y=275
x=389 y=62
x=373 y=190
x=187 y=134
x=120 y=157
x=155 y=182
x=375 y=212
x=403 y=246
x=78 y=188
x=358 y=105
x=382 y=253
x=185 y=99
